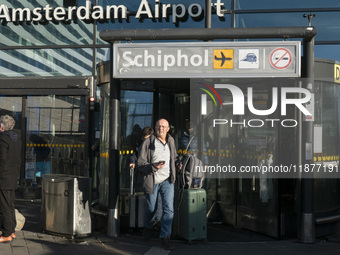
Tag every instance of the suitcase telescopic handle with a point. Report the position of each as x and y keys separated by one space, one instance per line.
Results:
x=132 y=171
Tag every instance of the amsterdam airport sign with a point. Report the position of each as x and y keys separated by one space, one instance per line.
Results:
x=89 y=12
x=207 y=59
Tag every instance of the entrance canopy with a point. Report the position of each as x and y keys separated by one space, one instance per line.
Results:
x=278 y=58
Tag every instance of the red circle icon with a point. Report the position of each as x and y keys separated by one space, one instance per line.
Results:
x=280 y=58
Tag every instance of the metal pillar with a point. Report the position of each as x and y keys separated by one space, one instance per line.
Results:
x=207 y=13
x=307 y=181
x=114 y=146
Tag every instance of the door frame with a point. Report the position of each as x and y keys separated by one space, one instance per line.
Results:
x=43 y=86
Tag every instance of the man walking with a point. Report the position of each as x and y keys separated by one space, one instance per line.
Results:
x=157 y=161
x=10 y=147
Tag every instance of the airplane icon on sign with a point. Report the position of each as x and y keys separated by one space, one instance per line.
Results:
x=222 y=58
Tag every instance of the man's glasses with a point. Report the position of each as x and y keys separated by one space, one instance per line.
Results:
x=160 y=126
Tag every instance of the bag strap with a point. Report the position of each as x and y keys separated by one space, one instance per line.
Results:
x=186 y=149
x=185 y=162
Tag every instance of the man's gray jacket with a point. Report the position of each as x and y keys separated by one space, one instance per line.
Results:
x=145 y=167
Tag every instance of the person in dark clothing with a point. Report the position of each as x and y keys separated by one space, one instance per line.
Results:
x=10 y=148
x=146 y=132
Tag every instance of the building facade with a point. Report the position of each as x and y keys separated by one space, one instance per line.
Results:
x=51 y=57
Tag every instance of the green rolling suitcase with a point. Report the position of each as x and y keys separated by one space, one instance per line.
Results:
x=191 y=215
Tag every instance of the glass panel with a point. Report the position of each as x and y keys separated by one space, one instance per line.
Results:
x=328 y=51
x=31 y=34
x=322 y=21
x=276 y=20
x=131 y=5
x=326 y=116
x=104 y=145
x=136 y=109
x=136 y=113
x=241 y=201
x=221 y=22
x=46 y=62
x=287 y=4
x=184 y=129
x=326 y=200
x=11 y=106
x=132 y=121
x=102 y=55
x=55 y=137
x=149 y=23
x=326 y=191
x=161 y=23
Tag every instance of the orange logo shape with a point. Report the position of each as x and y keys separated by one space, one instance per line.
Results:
x=223 y=59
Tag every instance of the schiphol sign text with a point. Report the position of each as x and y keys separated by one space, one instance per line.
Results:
x=207 y=59
x=151 y=9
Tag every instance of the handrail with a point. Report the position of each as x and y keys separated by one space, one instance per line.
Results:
x=97 y=211
x=327 y=219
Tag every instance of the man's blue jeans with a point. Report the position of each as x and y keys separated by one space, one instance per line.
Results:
x=166 y=191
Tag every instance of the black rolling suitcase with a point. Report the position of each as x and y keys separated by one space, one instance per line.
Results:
x=137 y=205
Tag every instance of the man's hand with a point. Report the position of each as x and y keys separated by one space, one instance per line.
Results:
x=132 y=165
x=158 y=165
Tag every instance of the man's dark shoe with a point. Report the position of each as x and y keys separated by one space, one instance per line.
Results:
x=166 y=243
x=147 y=233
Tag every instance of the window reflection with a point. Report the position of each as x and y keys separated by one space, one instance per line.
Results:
x=136 y=109
x=103 y=173
x=322 y=21
x=136 y=113
x=47 y=62
x=287 y=4
x=326 y=116
x=61 y=33
x=55 y=137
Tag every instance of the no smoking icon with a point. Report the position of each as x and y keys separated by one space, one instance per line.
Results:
x=280 y=58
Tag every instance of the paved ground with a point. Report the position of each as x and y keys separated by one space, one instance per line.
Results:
x=33 y=241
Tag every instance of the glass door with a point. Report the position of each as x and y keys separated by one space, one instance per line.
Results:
x=136 y=113
x=55 y=137
x=248 y=200
x=257 y=194
x=139 y=109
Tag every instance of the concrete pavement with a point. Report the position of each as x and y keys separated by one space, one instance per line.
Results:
x=33 y=241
